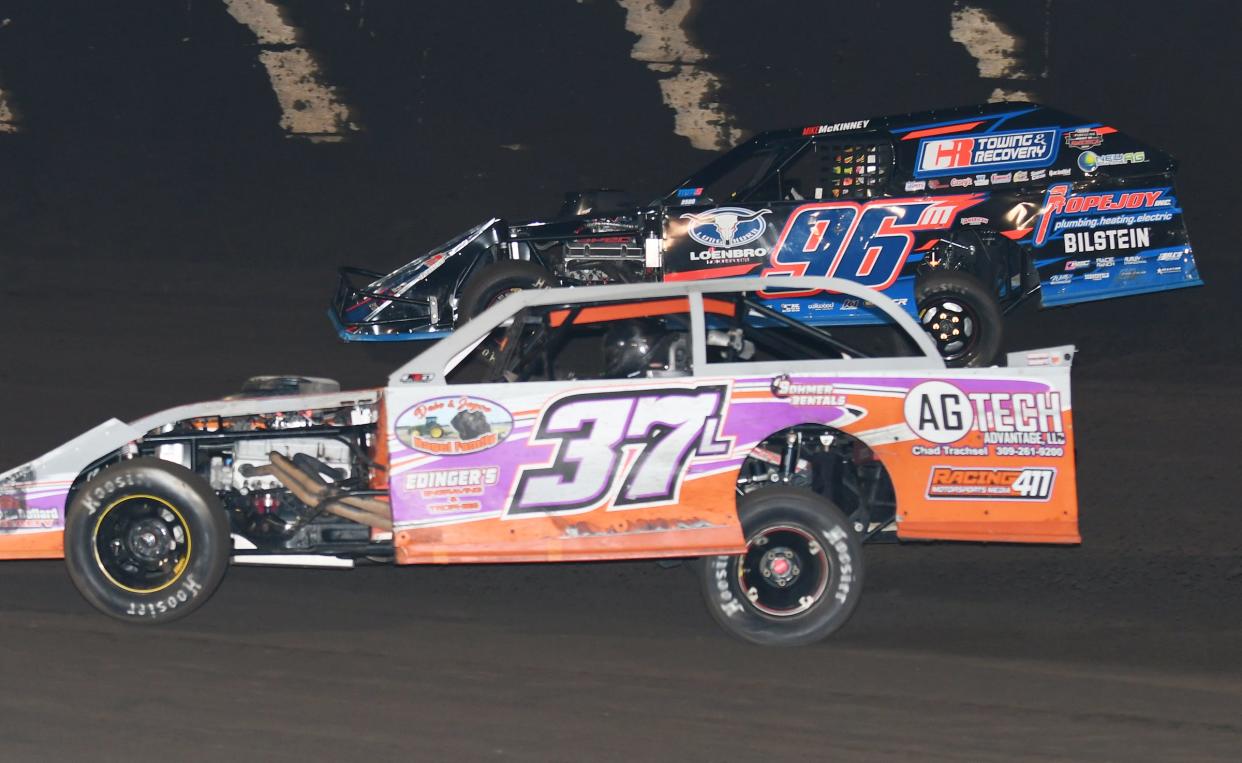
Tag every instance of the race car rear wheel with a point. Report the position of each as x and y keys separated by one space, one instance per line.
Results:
x=497 y=281
x=800 y=578
x=146 y=541
x=961 y=316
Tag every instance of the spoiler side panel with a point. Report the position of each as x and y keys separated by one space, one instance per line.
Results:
x=1100 y=243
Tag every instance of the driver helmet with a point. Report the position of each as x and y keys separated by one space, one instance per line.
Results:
x=637 y=347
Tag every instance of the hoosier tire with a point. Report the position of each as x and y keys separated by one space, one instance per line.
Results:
x=494 y=282
x=146 y=541
x=800 y=578
x=961 y=316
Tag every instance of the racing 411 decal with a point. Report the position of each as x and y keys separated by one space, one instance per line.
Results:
x=868 y=243
x=641 y=441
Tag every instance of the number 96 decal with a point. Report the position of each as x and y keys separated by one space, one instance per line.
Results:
x=634 y=444
x=868 y=243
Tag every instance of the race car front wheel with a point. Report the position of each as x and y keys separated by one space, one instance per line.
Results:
x=961 y=316
x=146 y=541
x=497 y=281
x=800 y=578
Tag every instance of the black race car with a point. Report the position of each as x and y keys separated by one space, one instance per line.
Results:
x=959 y=215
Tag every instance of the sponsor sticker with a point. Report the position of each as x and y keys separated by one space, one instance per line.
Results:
x=858 y=124
x=1107 y=240
x=1090 y=161
x=726 y=256
x=449 y=426
x=991 y=484
x=727 y=227
x=806 y=394
x=942 y=413
x=1065 y=210
x=1022 y=149
x=1083 y=138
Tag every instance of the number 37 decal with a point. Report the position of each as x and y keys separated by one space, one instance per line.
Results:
x=632 y=446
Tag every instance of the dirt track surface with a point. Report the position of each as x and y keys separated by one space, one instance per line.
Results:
x=161 y=241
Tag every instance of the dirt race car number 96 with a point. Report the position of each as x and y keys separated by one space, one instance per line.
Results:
x=641 y=441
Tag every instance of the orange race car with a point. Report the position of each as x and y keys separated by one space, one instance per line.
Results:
x=674 y=420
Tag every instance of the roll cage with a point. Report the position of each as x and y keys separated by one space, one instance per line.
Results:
x=729 y=300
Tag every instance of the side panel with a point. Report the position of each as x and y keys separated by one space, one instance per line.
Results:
x=565 y=471
x=32 y=516
x=974 y=454
x=561 y=471
x=1096 y=244
x=33 y=496
x=876 y=243
x=984 y=457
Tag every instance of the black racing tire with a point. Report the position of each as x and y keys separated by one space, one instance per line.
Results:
x=822 y=574
x=146 y=541
x=493 y=282
x=951 y=301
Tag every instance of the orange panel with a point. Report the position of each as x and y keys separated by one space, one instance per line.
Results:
x=703 y=522
x=647 y=309
x=1011 y=521
x=40 y=545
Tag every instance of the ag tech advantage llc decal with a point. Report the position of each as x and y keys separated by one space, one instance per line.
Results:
x=1004 y=423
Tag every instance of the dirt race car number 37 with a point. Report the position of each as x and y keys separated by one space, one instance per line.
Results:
x=681 y=420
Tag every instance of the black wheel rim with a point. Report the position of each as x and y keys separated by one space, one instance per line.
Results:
x=953 y=325
x=784 y=571
x=141 y=543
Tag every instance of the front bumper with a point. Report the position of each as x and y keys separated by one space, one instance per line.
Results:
x=400 y=319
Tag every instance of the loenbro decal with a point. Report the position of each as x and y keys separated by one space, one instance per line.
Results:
x=447 y=426
x=727 y=227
